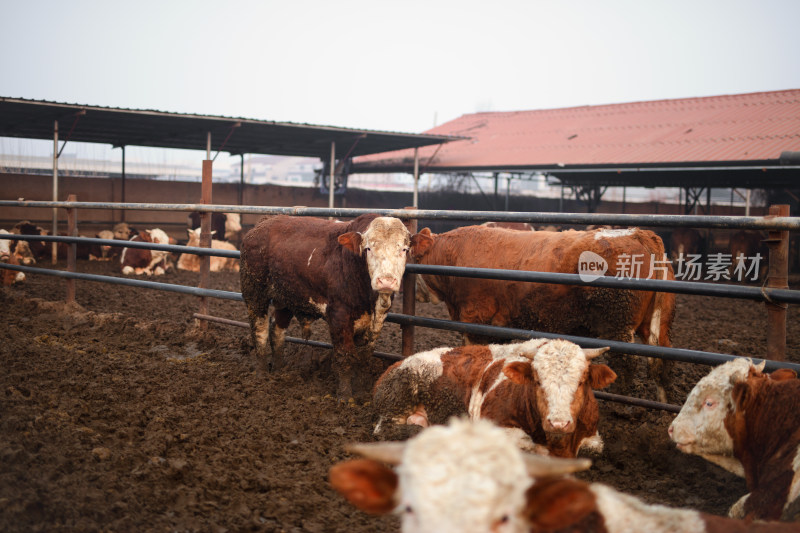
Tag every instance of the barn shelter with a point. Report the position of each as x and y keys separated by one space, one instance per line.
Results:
x=335 y=146
x=744 y=141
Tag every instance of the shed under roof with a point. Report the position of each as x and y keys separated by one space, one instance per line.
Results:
x=722 y=141
x=34 y=119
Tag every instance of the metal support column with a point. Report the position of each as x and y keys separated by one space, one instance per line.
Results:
x=778 y=278
x=122 y=200
x=332 y=178
x=241 y=182
x=54 y=249
x=415 y=203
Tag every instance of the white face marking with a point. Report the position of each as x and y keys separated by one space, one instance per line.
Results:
x=613 y=233
x=560 y=365
x=385 y=243
x=699 y=428
x=466 y=477
x=626 y=514
x=5 y=245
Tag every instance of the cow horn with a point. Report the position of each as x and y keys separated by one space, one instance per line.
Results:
x=760 y=366
x=591 y=353
x=542 y=465
x=386 y=452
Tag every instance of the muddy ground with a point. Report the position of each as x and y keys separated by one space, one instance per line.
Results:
x=116 y=415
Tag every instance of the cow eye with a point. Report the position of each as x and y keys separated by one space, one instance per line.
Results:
x=408 y=510
x=710 y=403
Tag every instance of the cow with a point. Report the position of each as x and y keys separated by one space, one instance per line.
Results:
x=228 y=225
x=142 y=261
x=539 y=390
x=103 y=252
x=684 y=242
x=747 y=422
x=124 y=232
x=519 y=226
x=615 y=314
x=743 y=247
x=310 y=268
x=471 y=478
x=39 y=249
x=191 y=262
x=8 y=254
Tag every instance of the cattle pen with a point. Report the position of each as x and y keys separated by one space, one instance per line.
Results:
x=775 y=293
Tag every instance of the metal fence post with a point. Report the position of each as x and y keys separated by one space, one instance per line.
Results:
x=72 y=250
x=409 y=299
x=778 y=277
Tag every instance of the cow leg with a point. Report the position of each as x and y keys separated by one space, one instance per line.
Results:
x=345 y=354
x=277 y=335
x=658 y=370
x=259 y=330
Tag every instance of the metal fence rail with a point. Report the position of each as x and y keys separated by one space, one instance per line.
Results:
x=690 y=221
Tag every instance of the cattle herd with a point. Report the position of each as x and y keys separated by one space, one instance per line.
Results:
x=504 y=425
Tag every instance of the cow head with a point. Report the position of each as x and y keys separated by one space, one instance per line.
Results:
x=421 y=243
x=562 y=377
x=384 y=245
x=123 y=232
x=233 y=225
x=466 y=476
x=699 y=428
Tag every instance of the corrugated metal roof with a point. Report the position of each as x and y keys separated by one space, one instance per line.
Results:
x=34 y=119
x=743 y=129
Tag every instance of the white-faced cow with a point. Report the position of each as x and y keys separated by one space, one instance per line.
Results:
x=747 y=422
x=38 y=249
x=191 y=262
x=142 y=261
x=539 y=390
x=616 y=314
x=471 y=478
x=9 y=255
x=309 y=268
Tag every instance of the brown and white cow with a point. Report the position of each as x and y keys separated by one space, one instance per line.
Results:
x=310 y=268
x=8 y=254
x=539 y=390
x=471 y=478
x=38 y=249
x=226 y=225
x=571 y=310
x=103 y=252
x=142 y=261
x=747 y=422
x=192 y=262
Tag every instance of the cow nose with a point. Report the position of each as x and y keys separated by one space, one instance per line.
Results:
x=386 y=283
x=558 y=424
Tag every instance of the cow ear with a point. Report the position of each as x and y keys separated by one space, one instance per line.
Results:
x=351 y=241
x=421 y=243
x=518 y=372
x=367 y=484
x=557 y=503
x=601 y=376
x=189 y=232
x=782 y=374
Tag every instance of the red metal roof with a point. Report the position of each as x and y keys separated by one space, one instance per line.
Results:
x=732 y=128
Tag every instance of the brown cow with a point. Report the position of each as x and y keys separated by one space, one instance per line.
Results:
x=346 y=273
x=142 y=261
x=571 y=310
x=749 y=423
x=684 y=242
x=471 y=478
x=744 y=246
x=540 y=390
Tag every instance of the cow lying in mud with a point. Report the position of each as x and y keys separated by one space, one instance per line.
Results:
x=748 y=422
x=471 y=478
x=615 y=314
x=309 y=268
x=539 y=390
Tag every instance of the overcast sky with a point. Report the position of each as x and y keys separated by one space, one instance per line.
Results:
x=396 y=66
